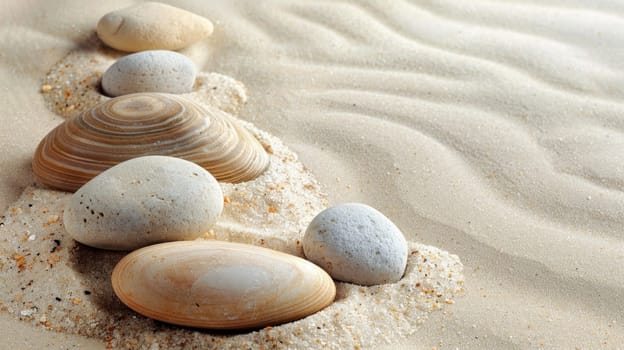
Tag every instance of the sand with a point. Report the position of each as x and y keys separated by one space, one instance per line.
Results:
x=491 y=130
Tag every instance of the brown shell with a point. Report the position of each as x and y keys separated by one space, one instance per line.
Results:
x=220 y=285
x=144 y=124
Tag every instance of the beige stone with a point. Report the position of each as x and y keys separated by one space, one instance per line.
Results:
x=152 y=26
x=143 y=201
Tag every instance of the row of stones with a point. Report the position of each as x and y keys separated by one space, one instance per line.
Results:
x=155 y=30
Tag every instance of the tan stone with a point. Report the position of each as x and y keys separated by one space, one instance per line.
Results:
x=152 y=26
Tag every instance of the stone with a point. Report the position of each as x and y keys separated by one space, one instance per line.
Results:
x=143 y=201
x=152 y=26
x=150 y=71
x=356 y=243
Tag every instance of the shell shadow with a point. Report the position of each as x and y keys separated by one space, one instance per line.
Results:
x=93 y=43
x=95 y=267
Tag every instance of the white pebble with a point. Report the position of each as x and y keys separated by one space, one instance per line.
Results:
x=144 y=201
x=28 y=312
x=356 y=243
x=150 y=71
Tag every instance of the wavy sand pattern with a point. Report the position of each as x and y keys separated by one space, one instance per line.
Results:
x=491 y=129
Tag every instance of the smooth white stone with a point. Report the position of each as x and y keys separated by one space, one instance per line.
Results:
x=150 y=71
x=356 y=243
x=144 y=201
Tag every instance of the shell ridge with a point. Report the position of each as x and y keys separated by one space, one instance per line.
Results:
x=281 y=302
x=143 y=124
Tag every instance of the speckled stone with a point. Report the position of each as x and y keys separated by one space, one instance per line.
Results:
x=356 y=243
x=150 y=71
x=144 y=201
x=152 y=26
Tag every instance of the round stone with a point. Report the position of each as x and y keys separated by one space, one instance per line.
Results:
x=152 y=26
x=144 y=201
x=150 y=71
x=356 y=243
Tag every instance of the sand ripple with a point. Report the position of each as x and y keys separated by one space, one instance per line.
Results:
x=492 y=129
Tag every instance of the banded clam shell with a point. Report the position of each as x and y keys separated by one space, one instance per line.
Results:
x=144 y=124
x=220 y=285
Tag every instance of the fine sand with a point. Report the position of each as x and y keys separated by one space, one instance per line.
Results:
x=489 y=129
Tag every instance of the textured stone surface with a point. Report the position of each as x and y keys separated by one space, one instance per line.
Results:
x=144 y=201
x=152 y=26
x=150 y=71
x=356 y=243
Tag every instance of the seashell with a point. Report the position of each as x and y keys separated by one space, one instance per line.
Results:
x=143 y=124
x=152 y=26
x=220 y=285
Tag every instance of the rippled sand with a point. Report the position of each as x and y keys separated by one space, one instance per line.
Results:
x=490 y=129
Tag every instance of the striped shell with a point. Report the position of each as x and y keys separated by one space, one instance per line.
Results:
x=220 y=285
x=144 y=124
